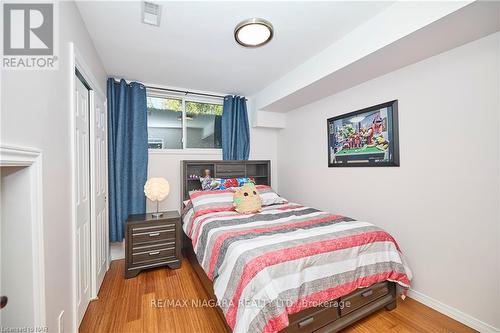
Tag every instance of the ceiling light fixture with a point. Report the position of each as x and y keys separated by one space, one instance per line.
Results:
x=253 y=32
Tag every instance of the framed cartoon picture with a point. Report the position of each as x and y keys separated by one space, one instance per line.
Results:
x=365 y=138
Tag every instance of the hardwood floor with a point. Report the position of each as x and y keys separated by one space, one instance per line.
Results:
x=129 y=306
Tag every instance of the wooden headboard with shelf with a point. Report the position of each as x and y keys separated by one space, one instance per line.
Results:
x=260 y=170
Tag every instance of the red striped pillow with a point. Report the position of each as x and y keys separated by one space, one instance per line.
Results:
x=212 y=201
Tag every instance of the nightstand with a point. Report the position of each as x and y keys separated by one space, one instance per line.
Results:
x=152 y=242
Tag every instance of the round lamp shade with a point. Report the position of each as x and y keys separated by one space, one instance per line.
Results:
x=156 y=189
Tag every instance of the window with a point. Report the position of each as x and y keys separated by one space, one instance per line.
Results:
x=164 y=122
x=178 y=122
x=203 y=123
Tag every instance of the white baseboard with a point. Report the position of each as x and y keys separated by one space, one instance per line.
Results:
x=452 y=312
x=117 y=250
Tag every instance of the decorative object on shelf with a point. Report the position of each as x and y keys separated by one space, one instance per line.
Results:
x=256 y=170
x=206 y=173
x=367 y=137
x=208 y=183
x=157 y=189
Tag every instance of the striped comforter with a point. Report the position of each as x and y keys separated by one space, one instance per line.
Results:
x=286 y=258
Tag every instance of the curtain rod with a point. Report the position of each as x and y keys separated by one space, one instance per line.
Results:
x=183 y=91
x=187 y=92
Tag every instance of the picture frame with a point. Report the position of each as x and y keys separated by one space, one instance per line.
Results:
x=365 y=138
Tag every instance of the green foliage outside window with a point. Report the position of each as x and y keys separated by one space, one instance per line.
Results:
x=164 y=104
x=203 y=108
x=175 y=105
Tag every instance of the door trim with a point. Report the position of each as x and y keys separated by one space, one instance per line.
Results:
x=32 y=158
x=77 y=62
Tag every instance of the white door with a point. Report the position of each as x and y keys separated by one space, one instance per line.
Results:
x=82 y=196
x=99 y=180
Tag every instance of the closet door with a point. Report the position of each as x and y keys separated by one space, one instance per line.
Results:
x=82 y=196
x=99 y=190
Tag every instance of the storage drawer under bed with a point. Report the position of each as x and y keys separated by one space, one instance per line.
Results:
x=315 y=318
x=312 y=319
x=362 y=297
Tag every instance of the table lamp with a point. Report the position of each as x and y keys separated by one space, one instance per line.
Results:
x=156 y=189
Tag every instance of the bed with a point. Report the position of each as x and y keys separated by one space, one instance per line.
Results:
x=288 y=268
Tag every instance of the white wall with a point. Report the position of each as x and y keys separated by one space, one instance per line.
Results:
x=442 y=203
x=35 y=113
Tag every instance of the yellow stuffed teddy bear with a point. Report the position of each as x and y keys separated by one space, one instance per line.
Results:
x=247 y=200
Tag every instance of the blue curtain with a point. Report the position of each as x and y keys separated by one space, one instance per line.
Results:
x=235 y=129
x=127 y=153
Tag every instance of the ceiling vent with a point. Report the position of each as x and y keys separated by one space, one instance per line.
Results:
x=151 y=13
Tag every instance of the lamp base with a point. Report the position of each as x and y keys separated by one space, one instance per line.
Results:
x=157 y=215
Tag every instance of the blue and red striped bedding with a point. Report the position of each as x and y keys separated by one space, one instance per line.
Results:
x=287 y=258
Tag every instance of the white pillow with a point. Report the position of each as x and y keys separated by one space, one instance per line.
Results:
x=269 y=197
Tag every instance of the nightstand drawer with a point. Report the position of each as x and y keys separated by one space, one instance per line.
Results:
x=153 y=255
x=153 y=233
x=144 y=247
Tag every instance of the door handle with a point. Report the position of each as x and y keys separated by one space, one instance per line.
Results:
x=306 y=322
x=3 y=301
x=367 y=293
x=154 y=253
x=154 y=234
